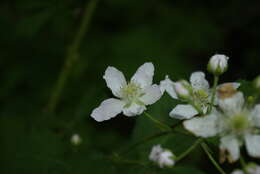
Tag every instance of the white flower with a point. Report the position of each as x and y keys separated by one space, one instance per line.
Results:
x=235 y=124
x=163 y=157
x=200 y=95
x=132 y=96
x=250 y=168
x=76 y=139
x=218 y=64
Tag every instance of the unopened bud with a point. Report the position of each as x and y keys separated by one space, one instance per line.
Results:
x=218 y=64
x=76 y=140
x=257 y=82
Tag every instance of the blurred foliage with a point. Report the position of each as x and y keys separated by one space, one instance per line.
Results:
x=177 y=36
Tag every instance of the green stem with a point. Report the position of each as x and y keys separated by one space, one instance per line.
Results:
x=214 y=162
x=117 y=158
x=72 y=55
x=146 y=139
x=189 y=150
x=149 y=138
x=243 y=164
x=160 y=124
x=214 y=88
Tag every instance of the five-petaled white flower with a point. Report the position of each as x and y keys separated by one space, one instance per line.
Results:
x=132 y=96
x=199 y=98
x=234 y=123
x=218 y=64
x=163 y=157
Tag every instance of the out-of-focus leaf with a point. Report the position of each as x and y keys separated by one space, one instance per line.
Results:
x=31 y=25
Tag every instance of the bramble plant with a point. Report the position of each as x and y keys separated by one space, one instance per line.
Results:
x=221 y=112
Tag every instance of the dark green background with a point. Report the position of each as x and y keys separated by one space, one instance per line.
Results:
x=178 y=36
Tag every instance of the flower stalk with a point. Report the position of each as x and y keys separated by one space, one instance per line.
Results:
x=214 y=91
x=214 y=162
x=160 y=124
x=189 y=150
x=72 y=55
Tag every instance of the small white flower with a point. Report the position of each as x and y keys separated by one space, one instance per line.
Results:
x=75 y=140
x=236 y=124
x=132 y=97
x=198 y=92
x=163 y=157
x=218 y=64
x=250 y=168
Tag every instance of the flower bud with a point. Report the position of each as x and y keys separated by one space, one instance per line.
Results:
x=257 y=82
x=162 y=157
x=75 y=140
x=183 y=89
x=218 y=64
x=166 y=159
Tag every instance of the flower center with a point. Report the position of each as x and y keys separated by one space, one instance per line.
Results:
x=131 y=93
x=201 y=94
x=239 y=123
x=201 y=98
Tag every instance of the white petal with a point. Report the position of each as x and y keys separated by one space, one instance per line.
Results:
x=232 y=104
x=165 y=159
x=237 y=171
x=230 y=145
x=115 y=80
x=168 y=85
x=235 y=85
x=183 y=112
x=151 y=95
x=256 y=115
x=108 y=109
x=144 y=75
x=206 y=126
x=198 y=81
x=253 y=145
x=133 y=110
x=155 y=153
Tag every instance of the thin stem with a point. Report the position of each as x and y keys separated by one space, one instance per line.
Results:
x=214 y=88
x=243 y=164
x=177 y=124
x=146 y=139
x=72 y=55
x=214 y=162
x=117 y=158
x=149 y=138
x=160 y=124
x=189 y=150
